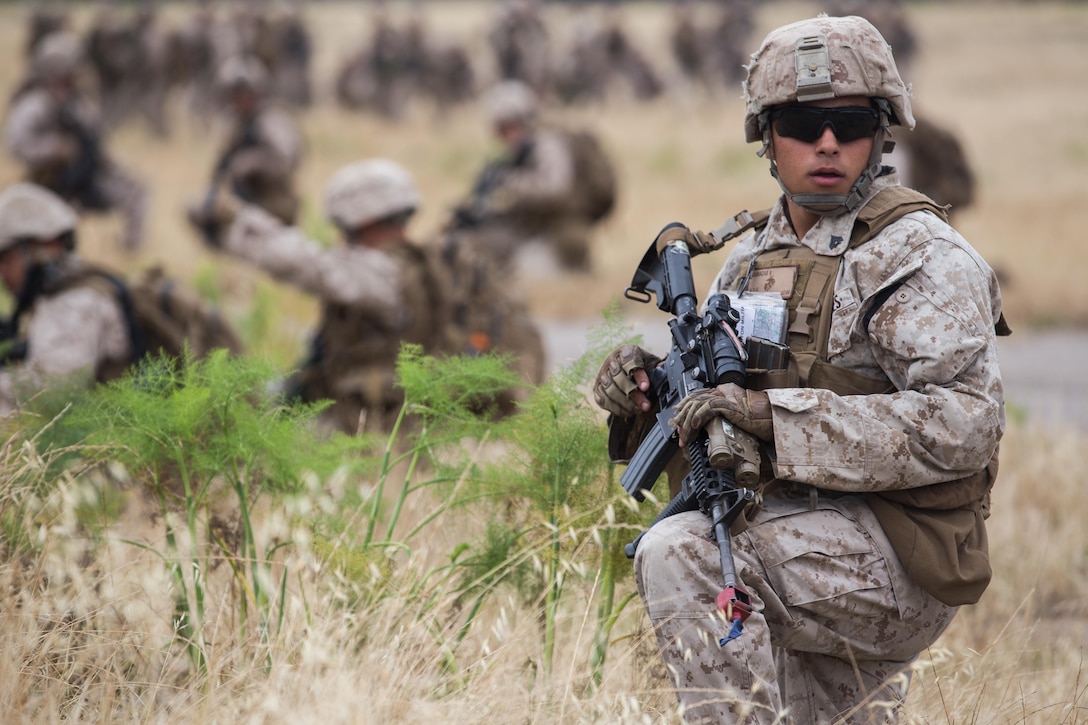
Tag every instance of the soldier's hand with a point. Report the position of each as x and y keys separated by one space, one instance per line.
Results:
x=749 y=410
x=212 y=217
x=622 y=384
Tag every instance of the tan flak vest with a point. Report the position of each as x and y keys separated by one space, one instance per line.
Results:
x=937 y=531
x=356 y=363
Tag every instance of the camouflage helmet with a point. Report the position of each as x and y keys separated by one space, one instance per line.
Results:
x=242 y=71
x=369 y=191
x=57 y=55
x=510 y=101
x=822 y=58
x=32 y=212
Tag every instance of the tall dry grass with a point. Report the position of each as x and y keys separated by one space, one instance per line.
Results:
x=86 y=634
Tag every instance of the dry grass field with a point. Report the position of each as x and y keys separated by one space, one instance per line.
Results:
x=85 y=635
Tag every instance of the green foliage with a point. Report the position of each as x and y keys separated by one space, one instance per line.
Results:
x=554 y=481
x=207 y=416
x=201 y=435
x=317 y=227
x=454 y=395
x=208 y=283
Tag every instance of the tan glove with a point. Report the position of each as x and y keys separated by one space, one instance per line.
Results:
x=213 y=219
x=615 y=382
x=749 y=410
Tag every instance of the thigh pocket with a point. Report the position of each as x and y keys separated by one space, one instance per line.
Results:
x=825 y=563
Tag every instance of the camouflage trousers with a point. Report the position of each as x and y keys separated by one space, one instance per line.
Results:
x=128 y=195
x=836 y=620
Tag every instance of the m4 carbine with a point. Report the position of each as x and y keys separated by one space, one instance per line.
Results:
x=705 y=352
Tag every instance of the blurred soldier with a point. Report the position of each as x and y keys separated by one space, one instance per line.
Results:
x=582 y=72
x=520 y=42
x=156 y=73
x=198 y=61
x=381 y=76
x=728 y=41
x=932 y=160
x=378 y=289
x=44 y=20
x=55 y=130
x=449 y=76
x=62 y=332
x=688 y=43
x=264 y=146
x=551 y=185
x=626 y=61
x=291 y=78
x=114 y=54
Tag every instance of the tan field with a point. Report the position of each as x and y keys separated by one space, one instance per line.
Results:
x=1008 y=78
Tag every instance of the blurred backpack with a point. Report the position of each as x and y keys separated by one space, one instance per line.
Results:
x=485 y=316
x=938 y=165
x=161 y=315
x=595 y=176
x=168 y=315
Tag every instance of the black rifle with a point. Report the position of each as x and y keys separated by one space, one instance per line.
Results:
x=209 y=226
x=479 y=209
x=705 y=352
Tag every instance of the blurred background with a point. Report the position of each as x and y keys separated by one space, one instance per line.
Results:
x=658 y=82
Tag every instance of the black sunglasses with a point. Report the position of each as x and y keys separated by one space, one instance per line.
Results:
x=807 y=123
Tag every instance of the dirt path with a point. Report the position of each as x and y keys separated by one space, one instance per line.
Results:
x=1043 y=371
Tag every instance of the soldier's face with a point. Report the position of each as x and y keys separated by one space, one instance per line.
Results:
x=512 y=133
x=13 y=270
x=827 y=164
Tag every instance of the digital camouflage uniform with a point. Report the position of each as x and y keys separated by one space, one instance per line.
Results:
x=72 y=334
x=263 y=146
x=262 y=171
x=870 y=531
x=532 y=202
x=75 y=336
x=828 y=588
x=521 y=44
x=58 y=138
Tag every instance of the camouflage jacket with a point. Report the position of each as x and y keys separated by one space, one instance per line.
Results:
x=35 y=133
x=542 y=182
x=934 y=339
x=372 y=300
x=260 y=159
x=77 y=335
x=917 y=306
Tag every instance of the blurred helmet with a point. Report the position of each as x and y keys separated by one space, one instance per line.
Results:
x=822 y=58
x=29 y=211
x=242 y=72
x=369 y=191
x=510 y=101
x=57 y=55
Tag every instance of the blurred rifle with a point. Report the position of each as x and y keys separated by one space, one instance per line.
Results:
x=78 y=180
x=206 y=219
x=480 y=207
x=705 y=352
